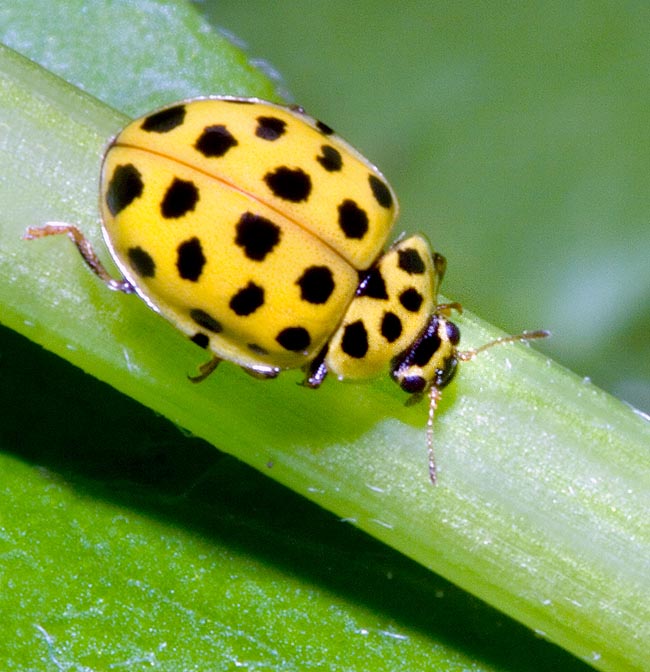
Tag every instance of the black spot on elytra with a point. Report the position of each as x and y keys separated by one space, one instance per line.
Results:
x=373 y=285
x=330 y=158
x=270 y=128
x=391 y=327
x=409 y=260
x=256 y=235
x=380 y=191
x=257 y=349
x=247 y=300
x=165 y=120
x=355 y=340
x=141 y=262
x=411 y=299
x=201 y=340
x=180 y=198
x=316 y=284
x=324 y=128
x=190 y=259
x=289 y=184
x=124 y=187
x=215 y=141
x=206 y=320
x=352 y=220
x=294 y=339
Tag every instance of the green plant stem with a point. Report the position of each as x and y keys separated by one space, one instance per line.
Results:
x=544 y=480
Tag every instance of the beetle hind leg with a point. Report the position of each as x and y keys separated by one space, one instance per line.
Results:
x=85 y=250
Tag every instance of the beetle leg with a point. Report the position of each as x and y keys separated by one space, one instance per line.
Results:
x=85 y=249
x=317 y=370
x=205 y=369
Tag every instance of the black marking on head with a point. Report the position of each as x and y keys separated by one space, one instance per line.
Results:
x=201 y=340
x=324 y=128
x=256 y=235
x=270 y=128
x=411 y=261
x=165 y=120
x=206 y=320
x=289 y=184
x=372 y=285
x=247 y=300
x=355 y=340
x=419 y=355
x=215 y=141
x=141 y=262
x=294 y=339
x=190 y=259
x=257 y=349
x=413 y=384
x=123 y=188
x=420 y=351
x=425 y=349
x=316 y=284
x=352 y=220
x=391 y=327
x=411 y=299
x=453 y=333
x=180 y=198
x=380 y=191
x=330 y=158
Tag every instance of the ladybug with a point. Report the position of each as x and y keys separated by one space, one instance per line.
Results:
x=260 y=233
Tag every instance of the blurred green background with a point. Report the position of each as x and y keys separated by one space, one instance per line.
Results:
x=516 y=135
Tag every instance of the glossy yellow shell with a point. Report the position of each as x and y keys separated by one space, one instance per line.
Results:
x=244 y=223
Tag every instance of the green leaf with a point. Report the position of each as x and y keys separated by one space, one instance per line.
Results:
x=541 y=509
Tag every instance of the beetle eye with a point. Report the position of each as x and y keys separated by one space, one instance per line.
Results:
x=444 y=375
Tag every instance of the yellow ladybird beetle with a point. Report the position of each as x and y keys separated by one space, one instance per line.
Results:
x=258 y=232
